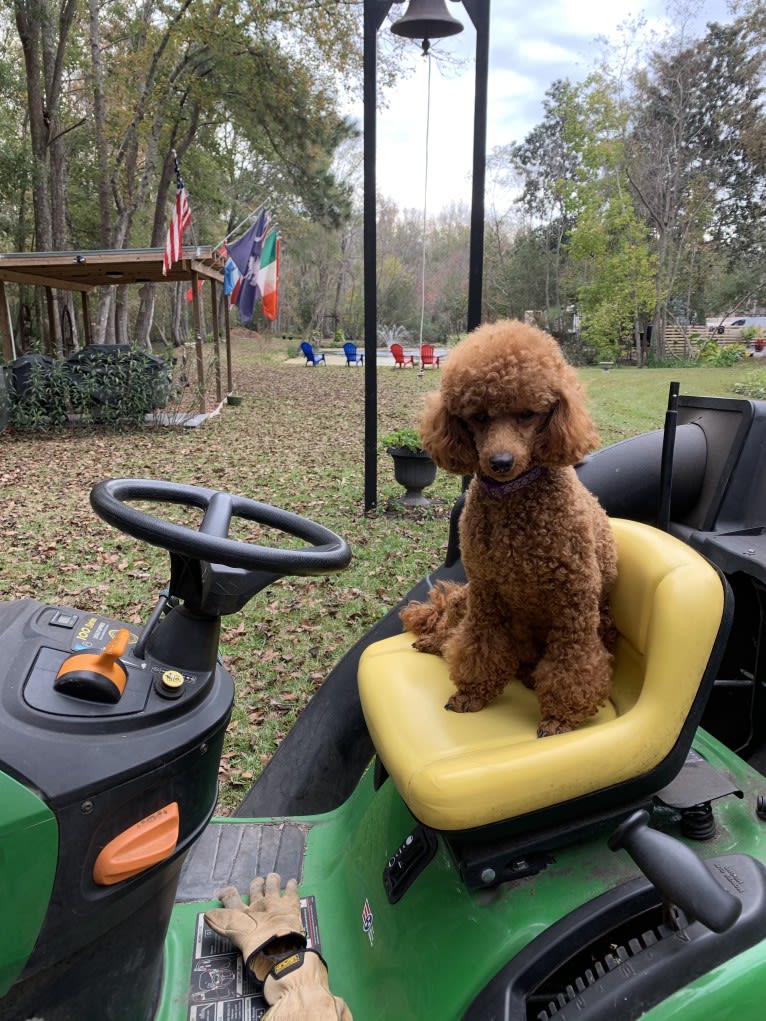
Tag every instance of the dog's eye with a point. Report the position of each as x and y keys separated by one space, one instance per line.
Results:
x=525 y=416
x=481 y=417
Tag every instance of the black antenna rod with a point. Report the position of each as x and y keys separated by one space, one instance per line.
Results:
x=666 y=467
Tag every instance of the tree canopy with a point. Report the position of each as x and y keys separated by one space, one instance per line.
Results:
x=647 y=191
x=639 y=197
x=239 y=90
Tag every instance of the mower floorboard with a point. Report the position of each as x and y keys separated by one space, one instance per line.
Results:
x=232 y=854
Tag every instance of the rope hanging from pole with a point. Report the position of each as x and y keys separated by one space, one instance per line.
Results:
x=427 y=55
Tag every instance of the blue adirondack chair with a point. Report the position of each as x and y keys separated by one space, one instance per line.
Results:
x=352 y=358
x=312 y=358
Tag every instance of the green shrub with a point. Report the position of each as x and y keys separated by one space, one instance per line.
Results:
x=42 y=405
x=721 y=356
x=116 y=389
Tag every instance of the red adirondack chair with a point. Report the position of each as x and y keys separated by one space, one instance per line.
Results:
x=400 y=359
x=428 y=358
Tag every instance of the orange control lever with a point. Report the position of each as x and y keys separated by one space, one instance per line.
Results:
x=145 y=843
x=96 y=676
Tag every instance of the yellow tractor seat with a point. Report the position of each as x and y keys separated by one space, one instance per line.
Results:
x=464 y=772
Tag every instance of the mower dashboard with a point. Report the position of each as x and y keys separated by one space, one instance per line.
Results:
x=66 y=680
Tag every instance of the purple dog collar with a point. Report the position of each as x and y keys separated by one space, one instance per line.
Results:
x=500 y=489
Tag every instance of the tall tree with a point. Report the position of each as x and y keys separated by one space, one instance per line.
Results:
x=609 y=245
x=44 y=29
x=698 y=162
x=548 y=165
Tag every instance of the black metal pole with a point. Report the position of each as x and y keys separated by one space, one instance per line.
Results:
x=374 y=13
x=478 y=11
x=370 y=268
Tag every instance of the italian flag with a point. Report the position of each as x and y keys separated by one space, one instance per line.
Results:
x=268 y=275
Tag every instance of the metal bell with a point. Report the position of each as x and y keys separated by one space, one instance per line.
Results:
x=426 y=19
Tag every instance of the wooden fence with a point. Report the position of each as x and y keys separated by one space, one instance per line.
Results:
x=677 y=340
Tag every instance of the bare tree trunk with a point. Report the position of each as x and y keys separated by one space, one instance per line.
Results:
x=28 y=18
x=43 y=41
x=99 y=131
x=122 y=324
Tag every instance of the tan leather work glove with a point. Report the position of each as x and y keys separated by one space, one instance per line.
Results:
x=298 y=990
x=267 y=929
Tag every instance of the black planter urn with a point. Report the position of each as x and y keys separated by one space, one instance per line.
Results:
x=414 y=470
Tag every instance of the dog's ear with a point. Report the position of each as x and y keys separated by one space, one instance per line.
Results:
x=447 y=438
x=569 y=433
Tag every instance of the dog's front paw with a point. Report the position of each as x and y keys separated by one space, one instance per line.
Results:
x=461 y=702
x=550 y=726
x=427 y=643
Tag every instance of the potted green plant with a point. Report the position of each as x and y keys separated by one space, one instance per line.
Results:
x=413 y=467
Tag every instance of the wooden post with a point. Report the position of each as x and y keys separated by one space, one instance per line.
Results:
x=86 y=319
x=54 y=344
x=216 y=340
x=227 y=332
x=6 y=326
x=198 y=343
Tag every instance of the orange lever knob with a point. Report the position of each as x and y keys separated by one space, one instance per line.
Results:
x=145 y=843
x=96 y=676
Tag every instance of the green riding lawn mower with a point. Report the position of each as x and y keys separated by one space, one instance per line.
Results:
x=449 y=866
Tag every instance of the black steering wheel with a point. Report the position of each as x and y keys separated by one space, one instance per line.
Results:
x=325 y=553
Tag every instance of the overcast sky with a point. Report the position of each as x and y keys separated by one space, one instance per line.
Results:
x=532 y=44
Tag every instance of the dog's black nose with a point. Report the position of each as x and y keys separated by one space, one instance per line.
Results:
x=501 y=463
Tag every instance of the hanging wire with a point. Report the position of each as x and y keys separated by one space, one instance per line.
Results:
x=427 y=55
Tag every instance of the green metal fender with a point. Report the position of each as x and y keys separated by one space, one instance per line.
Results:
x=28 y=855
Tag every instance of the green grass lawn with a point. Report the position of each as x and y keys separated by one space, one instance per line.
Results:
x=295 y=441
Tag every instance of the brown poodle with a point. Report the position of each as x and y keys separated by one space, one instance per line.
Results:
x=537 y=548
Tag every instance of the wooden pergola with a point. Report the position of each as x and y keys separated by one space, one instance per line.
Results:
x=85 y=271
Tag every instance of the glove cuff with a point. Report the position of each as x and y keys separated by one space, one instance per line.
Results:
x=267 y=955
x=291 y=962
x=311 y=960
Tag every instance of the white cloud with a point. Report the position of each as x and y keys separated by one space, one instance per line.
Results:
x=529 y=49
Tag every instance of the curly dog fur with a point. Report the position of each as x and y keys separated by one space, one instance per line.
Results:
x=537 y=548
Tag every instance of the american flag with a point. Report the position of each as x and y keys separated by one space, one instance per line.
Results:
x=179 y=221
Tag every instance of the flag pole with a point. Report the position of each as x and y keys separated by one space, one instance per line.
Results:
x=250 y=216
x=177 y=168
